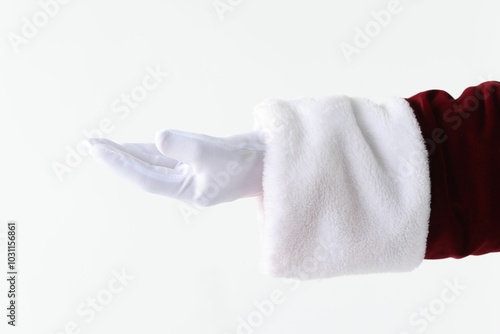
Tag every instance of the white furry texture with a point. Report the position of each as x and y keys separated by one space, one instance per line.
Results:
x=346 y=187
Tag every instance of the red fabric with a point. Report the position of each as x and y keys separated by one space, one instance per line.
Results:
x=463 y=145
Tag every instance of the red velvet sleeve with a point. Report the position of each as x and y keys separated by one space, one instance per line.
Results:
x=463 y=144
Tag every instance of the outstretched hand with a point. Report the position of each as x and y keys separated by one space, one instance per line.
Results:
x=194 y=168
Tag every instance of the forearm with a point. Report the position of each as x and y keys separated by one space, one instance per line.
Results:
x=463 y=142
x=349 y=189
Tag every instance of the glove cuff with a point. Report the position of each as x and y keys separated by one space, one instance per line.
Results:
x=346 y=187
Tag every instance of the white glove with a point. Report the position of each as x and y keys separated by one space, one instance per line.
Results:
x=198 y=169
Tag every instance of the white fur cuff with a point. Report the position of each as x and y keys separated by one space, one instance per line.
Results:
x=346 y=187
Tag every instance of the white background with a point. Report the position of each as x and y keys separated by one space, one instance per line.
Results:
x=197 y=271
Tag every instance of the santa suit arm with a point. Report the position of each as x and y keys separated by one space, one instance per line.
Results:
x=355 y=187
x=463 y=142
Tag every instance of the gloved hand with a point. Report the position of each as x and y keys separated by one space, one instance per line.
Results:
x=198 y=169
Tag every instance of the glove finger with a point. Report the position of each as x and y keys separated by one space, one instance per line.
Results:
x=172 y=182
x=191 y=148
x=149 y=153
x=144 y=151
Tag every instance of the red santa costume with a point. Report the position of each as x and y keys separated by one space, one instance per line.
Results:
x=355 y=187
x=344 y=185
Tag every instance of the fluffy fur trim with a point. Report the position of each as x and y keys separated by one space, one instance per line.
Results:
x=346 y=187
